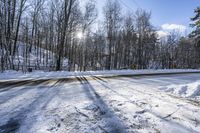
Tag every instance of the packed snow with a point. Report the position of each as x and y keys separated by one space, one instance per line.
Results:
x=14 y=75
x=95 y=104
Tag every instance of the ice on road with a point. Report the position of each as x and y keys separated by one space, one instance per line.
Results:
x=103 y=105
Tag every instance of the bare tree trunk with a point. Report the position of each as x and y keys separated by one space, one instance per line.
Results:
x=22 y=4
x=67 y=13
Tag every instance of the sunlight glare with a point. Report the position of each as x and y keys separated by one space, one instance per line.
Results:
x=80 y=35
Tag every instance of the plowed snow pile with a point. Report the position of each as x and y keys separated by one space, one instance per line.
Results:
x=191 y=90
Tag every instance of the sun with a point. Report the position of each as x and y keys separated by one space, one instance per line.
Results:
x=79 y=35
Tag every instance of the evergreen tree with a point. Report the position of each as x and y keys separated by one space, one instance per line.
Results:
x=196 y=24
x=196 y=34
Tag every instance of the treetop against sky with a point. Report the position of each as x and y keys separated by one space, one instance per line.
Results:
x=167 y=15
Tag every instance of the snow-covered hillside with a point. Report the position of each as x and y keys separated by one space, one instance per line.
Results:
x=38 y=57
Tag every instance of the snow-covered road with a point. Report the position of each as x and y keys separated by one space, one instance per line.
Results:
x=102 y=105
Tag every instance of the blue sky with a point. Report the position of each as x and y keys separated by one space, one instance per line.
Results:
x=168 y=11
x=166 y=14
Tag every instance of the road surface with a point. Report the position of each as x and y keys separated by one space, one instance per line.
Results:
x=98 y=105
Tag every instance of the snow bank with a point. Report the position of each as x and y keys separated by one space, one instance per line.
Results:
x=13 y=75
x=191 y=90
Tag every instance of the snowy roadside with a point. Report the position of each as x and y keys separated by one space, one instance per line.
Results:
x=15 y=76
x=101 y=105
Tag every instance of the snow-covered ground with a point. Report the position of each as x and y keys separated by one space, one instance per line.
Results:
x=38 y=57
x=94 y=104
x=14 y=75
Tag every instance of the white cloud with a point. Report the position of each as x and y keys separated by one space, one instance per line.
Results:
x=176 y=27
x=167 y=28
x=162 y=34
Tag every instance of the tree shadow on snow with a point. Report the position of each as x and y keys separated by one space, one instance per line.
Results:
x=112 y=123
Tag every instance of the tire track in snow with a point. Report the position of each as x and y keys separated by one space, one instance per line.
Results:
x=27 y=113
x=8 y=94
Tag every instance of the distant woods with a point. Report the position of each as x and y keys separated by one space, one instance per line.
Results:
x=68 y=35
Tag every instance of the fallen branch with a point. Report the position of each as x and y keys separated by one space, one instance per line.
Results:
x=103 y=129
x=169 y=115
x=77 y=110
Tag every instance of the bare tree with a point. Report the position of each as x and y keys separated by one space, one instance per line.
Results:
x=21 y=10
x=112 y=13
x=146 y=38
x=68 y=4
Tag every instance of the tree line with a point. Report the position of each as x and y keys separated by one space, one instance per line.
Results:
x=65 y=35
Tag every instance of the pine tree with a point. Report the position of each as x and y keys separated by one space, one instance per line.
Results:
x=196 y=34
x=196 y=24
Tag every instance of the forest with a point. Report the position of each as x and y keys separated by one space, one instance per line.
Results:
x=54 y=35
